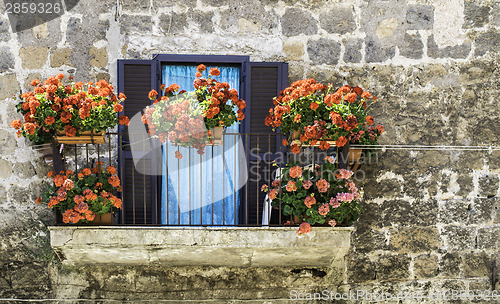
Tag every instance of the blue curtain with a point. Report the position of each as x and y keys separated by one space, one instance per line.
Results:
x=201 y=189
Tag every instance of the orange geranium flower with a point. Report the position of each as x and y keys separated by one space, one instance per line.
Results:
x=304 y=228
x=123 y=120
x=89 y=215
x=341 y=141
x=178 y=155
x=201 y=68
x=114 y=181
x=369 y=120
x=86 y=171
x=309 y=201
x=58 y=180
x=214 y=72
x=291 y=186
x=295 y=148
x=152 y=94
x=68 y=184
x=295 y=172
x=314 y=106
x=111 y=170
x=324 y=145
x=118 y=107
x=322 y=185
x=81 y=207
x=16 y=124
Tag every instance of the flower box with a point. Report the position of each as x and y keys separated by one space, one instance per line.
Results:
x=87 y=137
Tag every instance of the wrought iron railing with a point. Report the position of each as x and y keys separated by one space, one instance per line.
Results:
x=222 y=187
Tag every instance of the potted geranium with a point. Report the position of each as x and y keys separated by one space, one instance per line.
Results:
x=69 y=110
x=86 y=197
x=315 y=195
x=311 y=113
x=193 y=118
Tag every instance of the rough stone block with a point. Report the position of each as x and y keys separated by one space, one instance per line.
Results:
x=323 y=51
x=412 y=47
x=60 y=57
x=24 y=170
x=203 y=20
x=339 y=20
x=99 y=57
x=449 y=266
x=360 y=269
x=294 y=49
x=135 y=5
x=138 y=24
x=475 y=15
x=353 y=50
x=488 y=185
x=465 y=184
x=5 y=168
x=10 y=86
x=459 y=238
x=482 y=211
x=454 y=211
x=34 y=57
x=457 y=52
x=392 y=267
x=172 y=22
x=476 y=265
x=488 y=238
x=420 y=17
x=495 y=14
x=487 y=42
x=425 y=266
x=399 y=212
x=4 y=30
x=20 y=194
x=44 y=35
x=297 y=21
x=6 y=59
x=375 y=52
x=475 y=73
x=414 y=240
x=368 y=239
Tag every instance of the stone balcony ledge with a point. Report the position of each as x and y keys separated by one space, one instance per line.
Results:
x=200 y=246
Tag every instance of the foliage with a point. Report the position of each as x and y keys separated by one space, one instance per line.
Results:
x=316 y=195
x=186 y=118
x=316 y=113
x=71 y=108
x=79 y=197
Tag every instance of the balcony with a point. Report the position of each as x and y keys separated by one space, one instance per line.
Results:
x=208 y=217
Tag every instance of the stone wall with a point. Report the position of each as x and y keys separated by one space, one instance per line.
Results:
x=431 y=221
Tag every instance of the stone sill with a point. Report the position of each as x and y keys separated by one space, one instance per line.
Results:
x=200 y=246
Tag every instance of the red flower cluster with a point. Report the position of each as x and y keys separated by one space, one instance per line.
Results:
x=53 y=106
x=187 y=119
x=336 y=114
x=80 y=197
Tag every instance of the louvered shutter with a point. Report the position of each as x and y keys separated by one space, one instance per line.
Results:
x=266 y=80
x=140 y=198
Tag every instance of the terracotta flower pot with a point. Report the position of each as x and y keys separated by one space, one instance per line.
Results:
x=217 y=136
x=354 y=155
x=104 y=219
x=87 y=137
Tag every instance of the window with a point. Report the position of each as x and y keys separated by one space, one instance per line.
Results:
x=258 y=83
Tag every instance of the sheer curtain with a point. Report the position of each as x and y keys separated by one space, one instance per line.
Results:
x=201 y=189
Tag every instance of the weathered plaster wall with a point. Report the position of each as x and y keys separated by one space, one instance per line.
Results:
x=431 y=221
